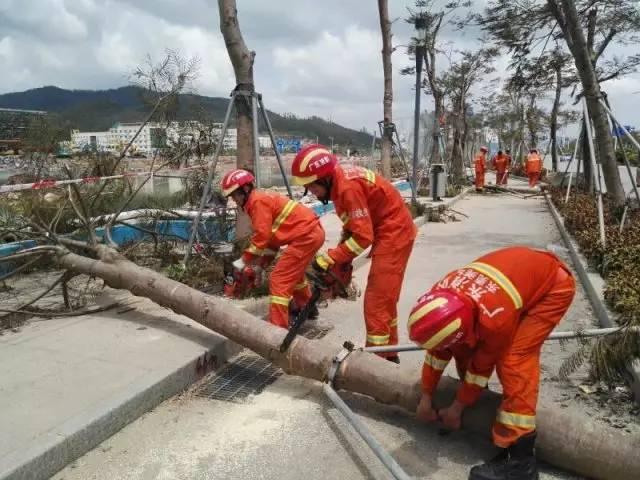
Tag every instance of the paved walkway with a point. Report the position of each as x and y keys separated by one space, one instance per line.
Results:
x=290 y=431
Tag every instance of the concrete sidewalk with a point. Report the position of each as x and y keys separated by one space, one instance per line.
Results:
x=67 y=384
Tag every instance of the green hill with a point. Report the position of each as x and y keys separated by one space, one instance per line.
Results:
x=96 y=110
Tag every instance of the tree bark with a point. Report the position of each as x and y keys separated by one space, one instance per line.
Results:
x=242 y=61
x=569 y=22
x=387 y=102
x=532 y=122
x=603 y=454
x=553 y=134
x=586 y=160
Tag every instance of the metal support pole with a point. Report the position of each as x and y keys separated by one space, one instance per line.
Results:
x=372 y=163
x=616 y=125
x=596 y=171
x=624 y=217
x=275 y=148
x=594 y=332
x=388 y=461
x=566 y=198
x=416 y=119
x=207 y=186
x=575 y=153
x=414 y=187
x=256 y=138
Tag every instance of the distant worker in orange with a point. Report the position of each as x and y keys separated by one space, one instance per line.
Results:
x=277 y=221
x=509 y=161
x=533 y=167
x=500 y=164
x=493 y=313
x=373 y=214
x=479 y=165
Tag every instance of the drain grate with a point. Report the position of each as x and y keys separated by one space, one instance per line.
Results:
x=314 y=332
x=247 y=375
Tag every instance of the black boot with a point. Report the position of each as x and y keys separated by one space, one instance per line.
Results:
x=518 y=462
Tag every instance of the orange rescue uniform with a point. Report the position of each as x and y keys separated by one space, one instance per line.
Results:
x=533 y=167
x=519 y=295
x=480 y=168
x=278 y=221
x=374 y=214
x=500 y=162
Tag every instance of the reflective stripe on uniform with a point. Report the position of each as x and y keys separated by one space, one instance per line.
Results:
x=324 y=261
x=435 y=363
x=442 y=334
x=254 y=250
x=288 y=208
x=501 y=279
x=394 y=322
x=301 y=285
x=516 y=420
x=370 y=176
x=478 y=380
x=279 y=300
x=344 y=218
x=352 y=245
x=422 y=311
x=378 y=339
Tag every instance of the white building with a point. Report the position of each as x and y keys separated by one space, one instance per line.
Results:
x=153 y=136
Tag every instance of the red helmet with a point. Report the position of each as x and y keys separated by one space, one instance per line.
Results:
x=440 y=319
x=484 y=149
x=311 y=163
x=235 y=179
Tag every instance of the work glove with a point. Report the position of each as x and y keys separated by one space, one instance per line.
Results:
x=239 y=264
x=322 y=262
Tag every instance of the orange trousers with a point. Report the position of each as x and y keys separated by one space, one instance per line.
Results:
x=501 y=177
x=382 y=294
x=288 y=279
x=519 y=369
x=533 y=178
x=479 y=180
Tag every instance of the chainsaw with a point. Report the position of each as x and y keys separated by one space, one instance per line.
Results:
x=330 y=284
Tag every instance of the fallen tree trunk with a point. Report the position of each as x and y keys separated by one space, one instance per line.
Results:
x=565 y=440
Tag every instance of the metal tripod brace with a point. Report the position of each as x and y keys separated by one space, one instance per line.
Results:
x=328 y=387
x=388 y=129
x=256 y=104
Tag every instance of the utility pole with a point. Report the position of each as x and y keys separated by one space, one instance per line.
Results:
x=421 y=28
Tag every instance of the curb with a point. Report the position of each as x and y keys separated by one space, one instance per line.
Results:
x=53 y=452
x=594 y=294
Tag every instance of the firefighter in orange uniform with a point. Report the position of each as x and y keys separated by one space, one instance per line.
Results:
x=509 y=161
x=373 y=214
x=277 y=221
x=493 y=313
x=533 y=167
x=500 y=164
x=479 y=164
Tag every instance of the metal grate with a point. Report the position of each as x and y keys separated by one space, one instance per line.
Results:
x=247 y=375
x=314 y=332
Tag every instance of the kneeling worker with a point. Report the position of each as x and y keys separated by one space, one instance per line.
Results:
x=277 y=221
x=493 y=313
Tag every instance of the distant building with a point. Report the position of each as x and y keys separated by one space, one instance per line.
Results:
x=153 y=137
x=14 y=124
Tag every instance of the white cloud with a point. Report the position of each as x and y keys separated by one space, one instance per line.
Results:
x=313 y=58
